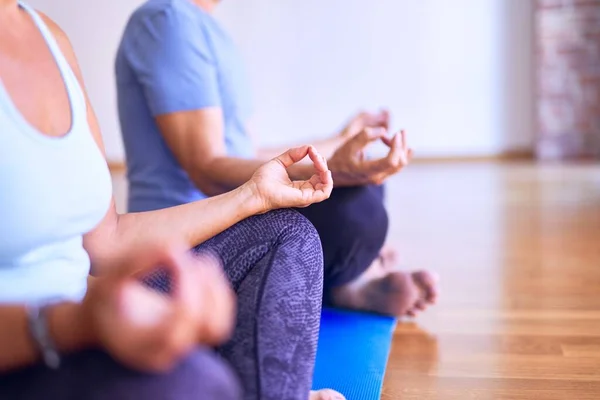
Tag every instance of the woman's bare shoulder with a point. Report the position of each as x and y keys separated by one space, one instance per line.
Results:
x=62 y=39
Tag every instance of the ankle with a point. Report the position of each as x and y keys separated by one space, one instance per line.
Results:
x=345 y=297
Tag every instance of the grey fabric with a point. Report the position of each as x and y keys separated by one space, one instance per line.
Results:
x=93 y=375
x=274 y=262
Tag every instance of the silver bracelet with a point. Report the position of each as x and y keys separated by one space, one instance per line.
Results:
x=40 y=333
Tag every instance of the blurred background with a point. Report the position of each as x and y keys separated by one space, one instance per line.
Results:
x=501 y=99
x=456 y=74
x=465 y=77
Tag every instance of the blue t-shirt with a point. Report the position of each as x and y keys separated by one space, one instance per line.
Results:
x=174 y=57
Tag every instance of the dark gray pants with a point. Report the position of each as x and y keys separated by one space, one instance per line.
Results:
x=353 y=226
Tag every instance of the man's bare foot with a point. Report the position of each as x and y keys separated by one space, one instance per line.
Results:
x=428 y=283
x=325 y=394
x=385 y=290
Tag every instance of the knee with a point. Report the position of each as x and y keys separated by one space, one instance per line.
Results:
x=289 y=225
x=298 y=232
x=298 y=246
x=203 y=374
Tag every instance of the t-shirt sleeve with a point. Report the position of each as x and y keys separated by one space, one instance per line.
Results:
x=171 y=58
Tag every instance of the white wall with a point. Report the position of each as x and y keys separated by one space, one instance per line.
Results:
x=456 y=73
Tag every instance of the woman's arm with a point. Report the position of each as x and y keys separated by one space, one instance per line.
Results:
x=66 y=325
x=119 y=239
x=203 y=304
x=200 y=311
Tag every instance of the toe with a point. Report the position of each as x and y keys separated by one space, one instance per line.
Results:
x=411 y=313
x=401 y=292
x=428 y=283
x=421 y=305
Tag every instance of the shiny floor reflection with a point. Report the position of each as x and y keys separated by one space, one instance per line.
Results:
x=518 y=249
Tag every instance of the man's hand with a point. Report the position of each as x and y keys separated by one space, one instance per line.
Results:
x=350 y=168
x=274 y=188
x=352 y=128
x=365 y=120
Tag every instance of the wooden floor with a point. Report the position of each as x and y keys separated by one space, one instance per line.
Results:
x=518 y=249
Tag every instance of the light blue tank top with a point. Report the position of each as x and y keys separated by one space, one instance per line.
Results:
x=52 y=191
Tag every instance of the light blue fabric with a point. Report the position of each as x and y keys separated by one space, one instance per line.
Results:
x=174 y=57
x=52 y=191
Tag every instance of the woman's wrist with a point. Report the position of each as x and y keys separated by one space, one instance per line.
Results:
x=250 y=200
x=69 y=327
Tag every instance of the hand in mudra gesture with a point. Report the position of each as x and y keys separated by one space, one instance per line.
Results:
x=274 y=187
x=151 y=331
x=351 y=168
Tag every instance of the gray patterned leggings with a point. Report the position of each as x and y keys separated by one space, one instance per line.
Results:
x=94 y=375
x=275 y=264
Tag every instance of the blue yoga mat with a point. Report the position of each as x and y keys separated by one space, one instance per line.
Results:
x=352 y=353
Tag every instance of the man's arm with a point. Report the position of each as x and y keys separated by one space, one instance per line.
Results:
x=196 y=138
x=173 y=60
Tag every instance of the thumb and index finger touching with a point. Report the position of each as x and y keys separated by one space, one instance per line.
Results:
x=297 y=154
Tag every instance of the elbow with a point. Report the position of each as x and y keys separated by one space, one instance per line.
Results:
x=208 y=186
x=210 y=189
x=203 y=174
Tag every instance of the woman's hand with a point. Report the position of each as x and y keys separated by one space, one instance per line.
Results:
x=150 y=331
x=350 y=168
x=275 y=189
